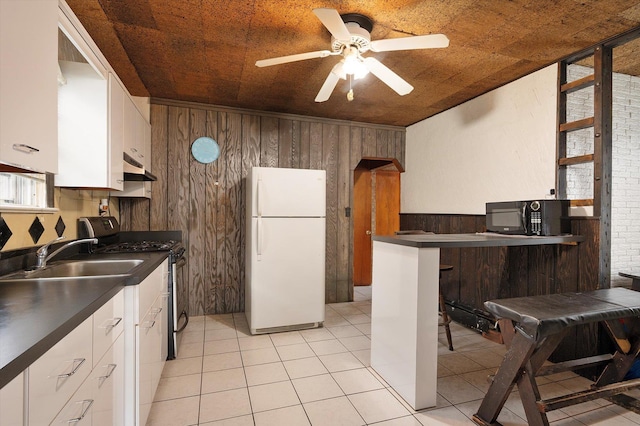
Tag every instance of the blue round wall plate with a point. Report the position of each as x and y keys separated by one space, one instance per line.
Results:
x=205 y=150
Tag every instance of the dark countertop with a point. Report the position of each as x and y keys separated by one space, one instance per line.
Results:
x=36 y=314
x=474 y=240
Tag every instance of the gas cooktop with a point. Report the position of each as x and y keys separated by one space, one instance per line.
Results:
x=139 y=246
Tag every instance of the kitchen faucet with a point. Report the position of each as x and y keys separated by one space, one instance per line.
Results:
x=42 y=254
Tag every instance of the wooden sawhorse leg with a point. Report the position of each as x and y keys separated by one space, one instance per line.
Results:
x=523 y=359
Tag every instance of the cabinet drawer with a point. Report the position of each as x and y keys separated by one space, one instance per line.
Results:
x=79 y=409
x=99 y=400
x=152 y=286
x=108 y=408
x=57 y=374
x=107 y=325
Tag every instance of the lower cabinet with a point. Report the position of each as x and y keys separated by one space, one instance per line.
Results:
x=146 y=337
x=108 y=408
x=99 y=400
x=150 y=356
x=57 y=374
x=12 y=402
x=104 y=372
x=80 y=379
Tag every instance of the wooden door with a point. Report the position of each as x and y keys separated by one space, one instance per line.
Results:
x=362 y=252
x=387 y=202
x=374 y=210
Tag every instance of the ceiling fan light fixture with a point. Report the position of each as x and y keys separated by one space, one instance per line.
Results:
x=353 y=64
x=338 y=70
x=350 y=38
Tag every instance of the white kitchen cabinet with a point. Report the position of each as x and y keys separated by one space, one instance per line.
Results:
x=82 y=376
x=150 y=355
x=140 y=189
x=137 y=131
x=12 y=402
x=108 y=408
x=145 y=342
x=99 y=400
x=108 y=325
x=91 y=115
x=117 y=97
x=57 y=374
x=28 y=70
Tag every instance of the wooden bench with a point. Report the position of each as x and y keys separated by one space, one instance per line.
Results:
x=532 y=328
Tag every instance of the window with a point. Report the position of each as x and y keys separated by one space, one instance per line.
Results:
x=26 y=190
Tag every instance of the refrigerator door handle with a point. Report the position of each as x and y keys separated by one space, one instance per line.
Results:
x=259 y=232
x=259 y=196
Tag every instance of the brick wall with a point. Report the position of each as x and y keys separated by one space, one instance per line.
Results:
x=625 y=215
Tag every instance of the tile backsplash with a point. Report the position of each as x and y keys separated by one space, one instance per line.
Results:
x=71 y=204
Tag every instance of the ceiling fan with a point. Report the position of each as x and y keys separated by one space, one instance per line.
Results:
x=350 y=39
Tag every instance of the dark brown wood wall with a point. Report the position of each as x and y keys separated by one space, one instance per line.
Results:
x=207 y=202
x=481 y=274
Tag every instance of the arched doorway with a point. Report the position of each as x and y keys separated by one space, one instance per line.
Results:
x=376 y=209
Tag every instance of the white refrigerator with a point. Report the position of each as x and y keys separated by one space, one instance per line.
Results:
x=285 y=249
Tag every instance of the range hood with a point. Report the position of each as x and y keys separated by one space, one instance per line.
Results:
x=134 y=171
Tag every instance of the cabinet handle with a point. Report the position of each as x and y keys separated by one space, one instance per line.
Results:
x=133 y=150
x=149 y=324
x=25 y=148
x=155 y=312
x=110 y=369
x=77 y=363
x=86 y=405
x=112 y=323
x=120 y=180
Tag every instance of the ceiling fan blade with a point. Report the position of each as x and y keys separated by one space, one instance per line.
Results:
x=337 y=72
x=389 y=77
x=293 y=58
x=409 y=43
x=331 y=19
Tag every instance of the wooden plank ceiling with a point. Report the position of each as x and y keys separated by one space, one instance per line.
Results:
x=205 y=50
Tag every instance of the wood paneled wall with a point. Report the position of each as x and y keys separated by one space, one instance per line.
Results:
x=207 y=202
x=481 y=274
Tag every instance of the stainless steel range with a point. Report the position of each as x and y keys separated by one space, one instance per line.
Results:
x=111 y=240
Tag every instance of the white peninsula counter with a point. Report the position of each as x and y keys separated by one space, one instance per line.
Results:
x=404 y=314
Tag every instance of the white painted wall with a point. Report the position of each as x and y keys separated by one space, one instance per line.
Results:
x=497 y=147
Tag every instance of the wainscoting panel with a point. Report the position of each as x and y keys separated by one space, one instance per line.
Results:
x=481 y=274
x=207 y=201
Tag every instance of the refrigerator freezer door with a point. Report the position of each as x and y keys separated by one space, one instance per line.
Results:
x=285 y=286
x=279 y=192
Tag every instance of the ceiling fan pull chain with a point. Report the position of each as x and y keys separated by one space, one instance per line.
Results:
x=350 y=92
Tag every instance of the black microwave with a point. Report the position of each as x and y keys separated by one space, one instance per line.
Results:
x=536 y=217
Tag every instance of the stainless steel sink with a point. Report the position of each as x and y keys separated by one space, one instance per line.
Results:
x=79 y=269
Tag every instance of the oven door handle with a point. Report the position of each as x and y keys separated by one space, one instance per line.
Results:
x=181 y=262
x=183 y=314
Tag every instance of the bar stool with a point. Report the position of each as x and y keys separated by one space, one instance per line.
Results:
x=443 y=307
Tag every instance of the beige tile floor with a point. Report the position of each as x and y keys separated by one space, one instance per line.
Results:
x=225 y=376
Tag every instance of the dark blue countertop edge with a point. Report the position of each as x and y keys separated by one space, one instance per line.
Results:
x=474 y=240
x=63 y=322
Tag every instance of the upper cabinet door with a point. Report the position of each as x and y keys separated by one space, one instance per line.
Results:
x=135 y=133
x=91 y=115
x=28 y=80
x=117 y=96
